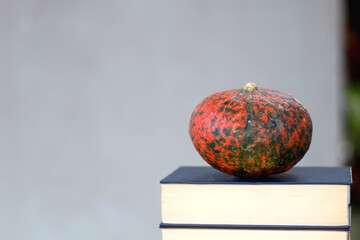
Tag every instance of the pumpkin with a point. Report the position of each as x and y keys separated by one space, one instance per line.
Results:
x=251 y=132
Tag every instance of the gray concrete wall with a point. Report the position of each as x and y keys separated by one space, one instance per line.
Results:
x=95 y=99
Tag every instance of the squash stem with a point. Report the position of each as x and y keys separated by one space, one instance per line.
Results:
x=250 y=87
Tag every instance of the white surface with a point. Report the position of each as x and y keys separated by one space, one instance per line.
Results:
x=95 y=99
x=256 y=204
x=241 y=234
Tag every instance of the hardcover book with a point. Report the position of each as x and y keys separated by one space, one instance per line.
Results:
x=311 y=198
x=251 y=234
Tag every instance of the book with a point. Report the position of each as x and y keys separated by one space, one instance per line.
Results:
x=251 y=234
x=301 y=197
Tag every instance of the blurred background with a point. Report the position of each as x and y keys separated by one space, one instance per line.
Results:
x=96 y=96
x=352 y=105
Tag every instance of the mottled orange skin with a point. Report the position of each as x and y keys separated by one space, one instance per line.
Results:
x=251 y=134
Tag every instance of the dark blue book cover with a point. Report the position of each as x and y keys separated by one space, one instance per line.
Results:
x=263 y=227
x=296 y=175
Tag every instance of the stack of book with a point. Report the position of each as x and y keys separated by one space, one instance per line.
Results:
x=201 y=203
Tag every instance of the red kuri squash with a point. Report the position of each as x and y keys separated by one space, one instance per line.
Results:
x=251 y=132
